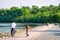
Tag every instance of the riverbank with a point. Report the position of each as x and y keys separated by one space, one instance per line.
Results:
x=32 y=35
x=8 y=34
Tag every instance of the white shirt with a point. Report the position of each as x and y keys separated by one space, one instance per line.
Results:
x=13 y=25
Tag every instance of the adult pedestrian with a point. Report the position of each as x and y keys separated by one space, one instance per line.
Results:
x=13 y=29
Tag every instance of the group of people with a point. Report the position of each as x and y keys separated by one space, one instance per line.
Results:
x=14 y=26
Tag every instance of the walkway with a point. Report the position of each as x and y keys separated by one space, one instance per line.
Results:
x=51 y=34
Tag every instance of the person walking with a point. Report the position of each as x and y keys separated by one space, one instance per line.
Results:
x=13 y=29
x=27 y=27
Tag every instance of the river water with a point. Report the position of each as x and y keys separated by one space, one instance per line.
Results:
x=6 y=27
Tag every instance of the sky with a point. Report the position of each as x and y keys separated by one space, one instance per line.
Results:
x=20 y=3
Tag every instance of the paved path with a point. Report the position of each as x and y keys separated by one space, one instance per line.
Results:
x=34 y=34
x=51 y=34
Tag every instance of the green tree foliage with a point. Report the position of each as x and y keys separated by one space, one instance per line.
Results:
x=35 y=14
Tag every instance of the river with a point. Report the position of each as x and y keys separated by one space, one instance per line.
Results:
x=6 y=27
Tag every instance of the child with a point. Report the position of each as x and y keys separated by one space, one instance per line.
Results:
x=27 y=27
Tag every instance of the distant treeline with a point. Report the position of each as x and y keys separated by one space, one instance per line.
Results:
x=45 y=14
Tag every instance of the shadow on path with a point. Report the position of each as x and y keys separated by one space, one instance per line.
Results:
x=45 y=31
x=49 y=32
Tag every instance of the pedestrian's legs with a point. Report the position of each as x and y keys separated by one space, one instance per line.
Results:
x=27 y=33
x=12 y=32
